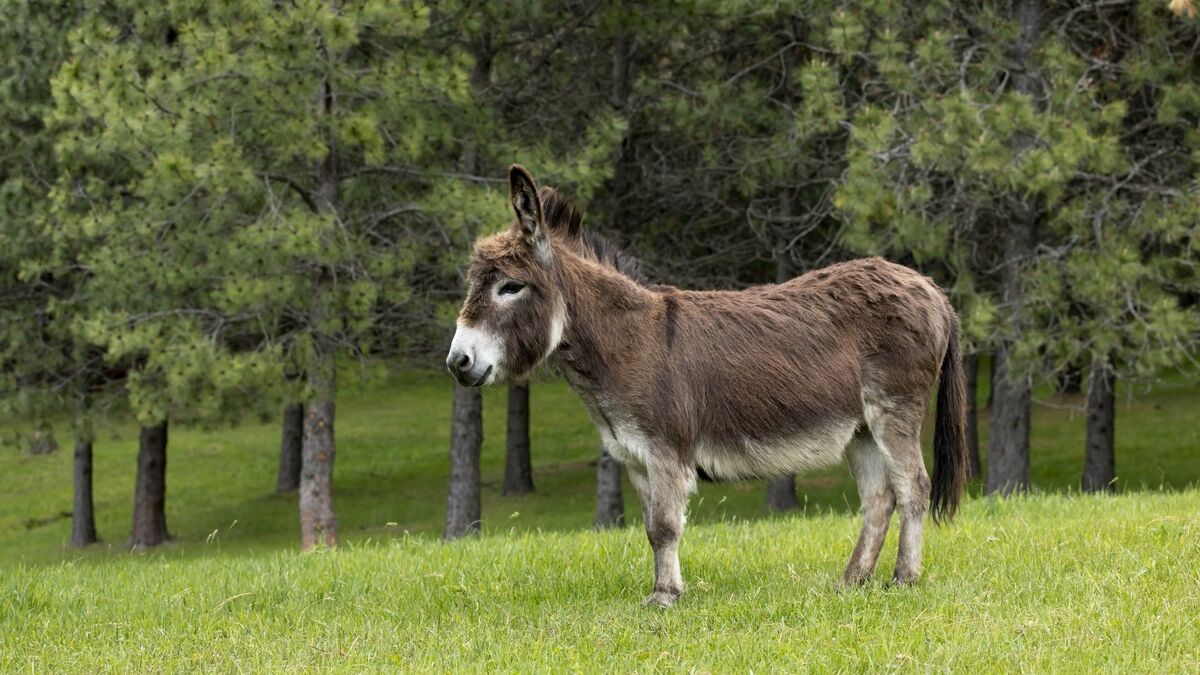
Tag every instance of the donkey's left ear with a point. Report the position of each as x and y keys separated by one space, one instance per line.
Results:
x=526 y=203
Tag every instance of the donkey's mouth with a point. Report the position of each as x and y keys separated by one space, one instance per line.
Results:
x=483 y=378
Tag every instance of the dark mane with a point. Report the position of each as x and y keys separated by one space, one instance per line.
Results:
x=563 y=218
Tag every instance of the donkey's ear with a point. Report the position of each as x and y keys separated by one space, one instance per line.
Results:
x=525 y=201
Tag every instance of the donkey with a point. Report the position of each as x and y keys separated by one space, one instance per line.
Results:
x=767 y=381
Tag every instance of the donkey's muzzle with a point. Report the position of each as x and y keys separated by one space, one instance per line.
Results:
x=465 y=370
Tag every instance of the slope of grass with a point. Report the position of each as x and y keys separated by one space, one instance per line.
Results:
x=392 y=470
x=1037 y=584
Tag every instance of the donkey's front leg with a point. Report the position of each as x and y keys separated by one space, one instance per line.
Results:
x=668 y=485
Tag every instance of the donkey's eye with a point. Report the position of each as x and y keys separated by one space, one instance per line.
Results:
x=510 y=288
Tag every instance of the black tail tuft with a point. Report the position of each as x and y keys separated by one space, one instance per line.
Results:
x=950 y=433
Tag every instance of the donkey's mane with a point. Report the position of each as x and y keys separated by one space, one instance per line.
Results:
x=564 y=219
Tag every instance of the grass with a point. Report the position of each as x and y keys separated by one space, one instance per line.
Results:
x=392 y=471
x=1041 y=584
x=1053 y=581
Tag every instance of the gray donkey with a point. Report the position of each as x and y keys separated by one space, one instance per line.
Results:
x=772 y=380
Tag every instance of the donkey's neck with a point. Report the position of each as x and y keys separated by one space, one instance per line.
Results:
x=608 y=316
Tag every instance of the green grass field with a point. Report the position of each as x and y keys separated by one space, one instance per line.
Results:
x=1054 y=581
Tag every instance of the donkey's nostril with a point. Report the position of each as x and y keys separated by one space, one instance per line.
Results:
x=458 y=361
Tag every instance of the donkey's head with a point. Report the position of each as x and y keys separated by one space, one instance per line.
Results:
x=514 y=314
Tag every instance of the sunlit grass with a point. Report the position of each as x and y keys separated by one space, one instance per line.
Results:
x=1039 y=584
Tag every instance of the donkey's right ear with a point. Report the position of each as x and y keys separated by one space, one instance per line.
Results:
x=528 y=206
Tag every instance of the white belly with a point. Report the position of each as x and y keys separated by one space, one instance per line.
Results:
x=798 y=453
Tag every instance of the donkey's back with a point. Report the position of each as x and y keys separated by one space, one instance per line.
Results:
x=779 y=379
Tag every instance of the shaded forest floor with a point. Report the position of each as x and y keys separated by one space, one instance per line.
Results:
x=391 y=473
x=1049 y=583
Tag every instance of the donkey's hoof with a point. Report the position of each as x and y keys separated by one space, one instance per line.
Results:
x=905 y=579
x=850 y=583
x=662 y=598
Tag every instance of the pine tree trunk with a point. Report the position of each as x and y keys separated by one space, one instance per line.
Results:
x=318 y=521
x=610 y=502
x=1099 y=460
x=518 y=470
x=1008 y=433
x=463 y=508
x=781 y=491
x=781 y=494
x=971 y=370
x=1008 y=442
x=291 y=448
x=83 y=518
x=150 y=492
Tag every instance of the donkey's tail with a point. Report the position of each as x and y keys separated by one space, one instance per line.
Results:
x=950 y=432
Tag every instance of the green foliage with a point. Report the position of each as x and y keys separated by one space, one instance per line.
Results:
x=255 y=175
x=940 y=160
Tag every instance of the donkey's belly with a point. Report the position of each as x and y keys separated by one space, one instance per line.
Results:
x=796 y=453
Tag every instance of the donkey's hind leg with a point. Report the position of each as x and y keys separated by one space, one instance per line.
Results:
x=897 y=431
x=664 y=501
x=869 y=468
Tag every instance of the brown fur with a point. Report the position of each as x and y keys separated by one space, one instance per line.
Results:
x=736 y=379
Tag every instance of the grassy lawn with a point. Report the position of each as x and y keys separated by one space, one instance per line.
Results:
x=1040 y=584
x=1053 y=581
x=392 y=470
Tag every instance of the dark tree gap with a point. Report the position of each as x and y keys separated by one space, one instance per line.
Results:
x=971 y=371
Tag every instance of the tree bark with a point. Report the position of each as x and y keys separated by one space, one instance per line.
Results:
x=83 y=515
x=781 y=493
x=610 y=502
x=1008 y=444
x=971 y=370
x=150 y=491
x=463 y=508
x=318 y=520
x=291 y=448
x=518 y=470
x=1008 y=434
x=991 y=397
x=1099 y=460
